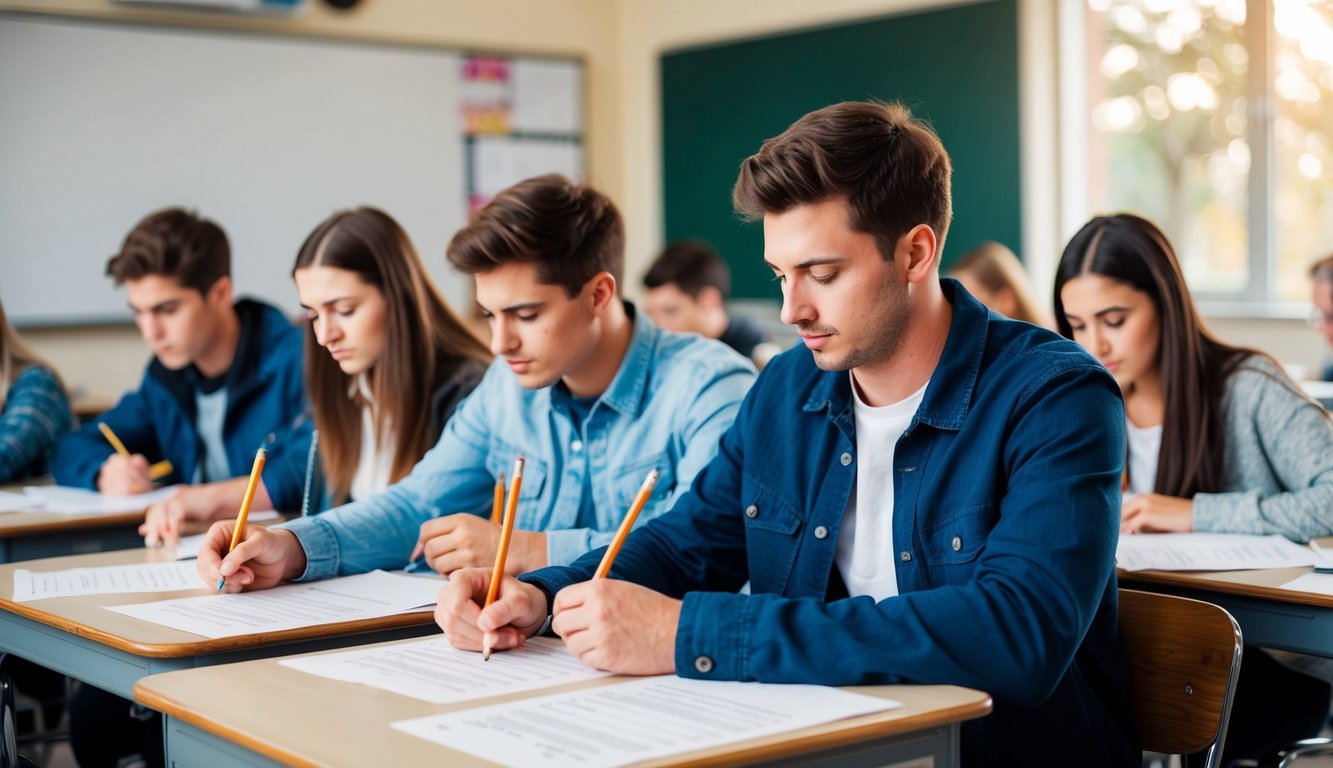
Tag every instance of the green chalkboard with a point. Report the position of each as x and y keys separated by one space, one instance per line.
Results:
x=956 y=67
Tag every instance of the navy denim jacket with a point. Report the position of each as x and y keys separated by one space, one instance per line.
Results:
x=1006 y=516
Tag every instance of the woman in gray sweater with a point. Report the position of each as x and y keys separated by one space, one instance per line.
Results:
x=1219 y=439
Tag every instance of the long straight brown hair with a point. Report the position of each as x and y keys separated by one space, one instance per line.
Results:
x=1193 y=363
x=15 y=357
x=425 y=342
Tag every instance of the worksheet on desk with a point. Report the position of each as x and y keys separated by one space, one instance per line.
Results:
x=1208 y=552
x=432 y=670
x=641 y=719
x=291 y=606
x=109 y=579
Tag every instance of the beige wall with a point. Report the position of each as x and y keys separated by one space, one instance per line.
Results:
x=621 y=42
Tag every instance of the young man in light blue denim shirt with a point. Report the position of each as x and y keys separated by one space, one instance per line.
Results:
x=588 y=391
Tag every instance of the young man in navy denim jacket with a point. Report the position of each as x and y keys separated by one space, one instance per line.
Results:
x=928 y=493
x=224 y=381
x=590 y=393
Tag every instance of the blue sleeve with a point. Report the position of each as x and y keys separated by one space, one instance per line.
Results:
x=79 y=454
x=35 y=414
x=289 y=442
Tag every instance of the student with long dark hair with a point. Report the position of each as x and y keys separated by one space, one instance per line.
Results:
x=386 y=360
x=1219 y=439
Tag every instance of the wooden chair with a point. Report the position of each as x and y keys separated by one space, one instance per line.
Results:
x=1184 y=658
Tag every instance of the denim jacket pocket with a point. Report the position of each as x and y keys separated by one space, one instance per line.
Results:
x=772 y=528
x=954 y=542
x=629 y=478
x=501 y=459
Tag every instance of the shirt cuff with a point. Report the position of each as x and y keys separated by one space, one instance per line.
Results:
x=321 y=547
x=564 y=547
x=711 y=635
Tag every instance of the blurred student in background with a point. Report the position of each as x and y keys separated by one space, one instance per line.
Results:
x=687 y=289
x=1219 y=438
x=34 y=410
x=225 y=380
x=1321 y=317
x=992 y=273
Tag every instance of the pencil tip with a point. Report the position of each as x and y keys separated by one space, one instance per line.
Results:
x=221 y=581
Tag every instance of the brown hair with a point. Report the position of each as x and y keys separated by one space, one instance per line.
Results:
x=997 y=268
x=891 y=168
x=570 y=231
x=1193 y=363
x=173 y=243
x=425 y=341
x=690 y=265
x=15 y=357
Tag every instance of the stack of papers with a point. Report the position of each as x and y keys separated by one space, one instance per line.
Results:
x=1209 y=552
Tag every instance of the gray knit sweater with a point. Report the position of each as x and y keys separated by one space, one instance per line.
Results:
x=1278 y=465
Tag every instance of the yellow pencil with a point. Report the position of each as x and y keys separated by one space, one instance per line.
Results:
x=506 y=533
x=258 y=469
x=645 y=491
x=157 y=471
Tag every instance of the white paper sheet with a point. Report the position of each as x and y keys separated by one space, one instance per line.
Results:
x=637 y=720
x=432 y=670
x=63 y=500
x=1208 y=552
x=291 y=605
x=146 y=577
x=17 y=502
x=1319 y=583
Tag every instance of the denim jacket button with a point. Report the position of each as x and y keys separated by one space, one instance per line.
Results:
x=957 y=543
x=576 y=446
x=846 y=458
x=703 y=665
x=821 y=532
x=752 y=511
x=905 y=556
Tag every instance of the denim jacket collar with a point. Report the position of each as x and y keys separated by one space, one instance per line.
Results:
x=949 y=395
x=626 y=391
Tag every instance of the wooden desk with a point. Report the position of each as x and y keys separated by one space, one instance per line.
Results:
x=262 y=713
x=76 y=636
x=1269 y=616
x=28 y=535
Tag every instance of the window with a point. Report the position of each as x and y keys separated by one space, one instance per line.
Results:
x=1214 y=118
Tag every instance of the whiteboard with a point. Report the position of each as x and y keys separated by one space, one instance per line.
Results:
x=102 y=123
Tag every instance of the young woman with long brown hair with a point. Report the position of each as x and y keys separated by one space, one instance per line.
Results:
x=386 y=360
x=1219 y=438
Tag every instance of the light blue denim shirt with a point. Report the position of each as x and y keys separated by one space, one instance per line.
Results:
x=667 y=407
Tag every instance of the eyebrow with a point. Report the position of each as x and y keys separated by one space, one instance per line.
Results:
x=1103 y=312
x=808 y=263
x=158 y=307
x=512 y=308
x=331 y=302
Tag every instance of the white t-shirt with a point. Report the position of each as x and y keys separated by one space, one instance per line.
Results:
x=1145 y=443
x=210 y=415
x=375 y=466
x=865 y=541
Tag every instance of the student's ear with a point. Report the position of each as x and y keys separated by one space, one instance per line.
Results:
x=917 y=248
x=603 y=285
x=709 y=297
x=220 y=292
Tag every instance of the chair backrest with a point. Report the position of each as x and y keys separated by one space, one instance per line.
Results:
x=1184 y=658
